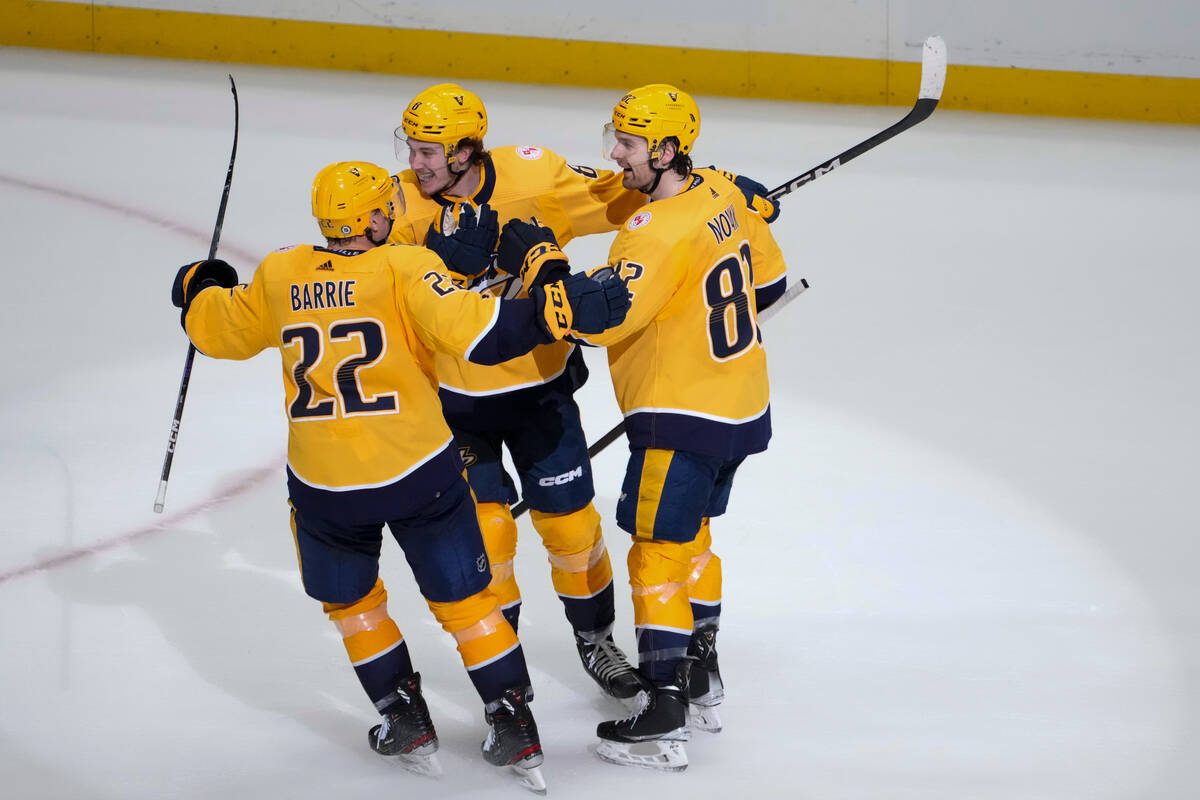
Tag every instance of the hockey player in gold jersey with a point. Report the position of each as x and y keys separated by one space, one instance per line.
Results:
x=455 y=194
x=689 y=372
x=357 y=323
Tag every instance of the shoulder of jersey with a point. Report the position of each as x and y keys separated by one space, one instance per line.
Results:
x=524 y=152
x=526 y=156
x=715 y=187
x=709 y=172
x=284 y=260
x=695 y=199
x=715 y=183
x=289 y=252
x=406 y=253
x=639 y=220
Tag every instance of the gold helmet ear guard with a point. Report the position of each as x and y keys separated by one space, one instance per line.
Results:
x=344 y=195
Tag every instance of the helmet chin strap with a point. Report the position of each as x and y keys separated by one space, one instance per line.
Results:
x=658 y=173
x=458 y=176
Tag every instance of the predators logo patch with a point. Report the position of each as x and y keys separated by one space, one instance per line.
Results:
x=468 y=458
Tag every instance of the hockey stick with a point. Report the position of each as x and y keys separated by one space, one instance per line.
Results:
x=161 y=497
x=933 y=79
x=618 y=430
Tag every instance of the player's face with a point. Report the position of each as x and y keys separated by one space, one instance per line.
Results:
x=632 y=154
x=428 y=161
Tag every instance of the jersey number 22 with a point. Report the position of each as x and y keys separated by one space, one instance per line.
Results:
x=347 y=382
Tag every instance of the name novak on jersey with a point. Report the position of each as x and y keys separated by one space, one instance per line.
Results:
x=723 y=225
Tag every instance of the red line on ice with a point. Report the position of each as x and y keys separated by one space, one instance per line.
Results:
x=221 y=496
x=244 y=485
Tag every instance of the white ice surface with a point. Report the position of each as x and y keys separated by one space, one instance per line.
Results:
x=964 y=569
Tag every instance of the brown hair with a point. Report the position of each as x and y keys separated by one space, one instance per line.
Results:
x=681 y=164
x=478 y=154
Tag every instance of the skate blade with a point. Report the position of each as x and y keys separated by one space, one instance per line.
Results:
x=713 y=697
x=704 y=718
x=664 y=755
x=427 y=766
x=530 y=777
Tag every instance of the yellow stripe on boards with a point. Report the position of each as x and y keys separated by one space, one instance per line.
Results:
x=524 y=59
x=1073 y=94
x=55 y=26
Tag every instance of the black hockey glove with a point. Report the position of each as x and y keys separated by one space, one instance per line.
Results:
x=581 y=304
x=468 y=250
x=196 y=277
x=597 y=305
x=756 y=195
x=199 y=275
x=531 y=251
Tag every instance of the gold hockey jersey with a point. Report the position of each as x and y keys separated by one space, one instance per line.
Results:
x=688 y=365
x=357 y=332
x=518 y=182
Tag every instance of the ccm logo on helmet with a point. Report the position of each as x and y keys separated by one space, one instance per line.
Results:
x=559 y=480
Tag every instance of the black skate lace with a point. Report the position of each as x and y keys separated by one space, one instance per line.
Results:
x=608 y=660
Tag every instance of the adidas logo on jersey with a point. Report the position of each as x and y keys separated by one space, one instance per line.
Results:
x=328 y=266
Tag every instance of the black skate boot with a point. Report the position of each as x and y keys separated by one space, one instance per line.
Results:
x=512 y=739
x=608 y=666
x=706 y=690
x=652 y=737
x=406 y=733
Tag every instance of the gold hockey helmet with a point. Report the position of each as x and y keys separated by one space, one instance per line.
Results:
x=655 y=112
x=344 y=195
x=445 y=113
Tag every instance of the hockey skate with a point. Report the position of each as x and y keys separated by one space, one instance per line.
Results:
x=652 y=737
x=706 y=688
x=608 y=666
x=512 y=739
x=406 y=734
